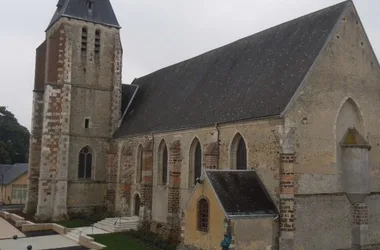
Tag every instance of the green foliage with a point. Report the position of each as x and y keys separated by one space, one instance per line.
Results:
x=14 y=139
x=134 y=239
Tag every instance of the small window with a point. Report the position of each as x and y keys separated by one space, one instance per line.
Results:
x=86 y=123
x=203 y=215
x=84 y=40
x=90 y=4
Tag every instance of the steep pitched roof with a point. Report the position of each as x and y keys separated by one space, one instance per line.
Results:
x=251 y=78
x=101 y=11
x=241 y=192
x=14 y=172
x=127 y=91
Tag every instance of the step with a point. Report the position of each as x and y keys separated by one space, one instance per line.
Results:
x=73 y=238
x=117 y=225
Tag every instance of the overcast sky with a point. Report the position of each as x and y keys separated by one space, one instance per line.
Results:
x=154 y=33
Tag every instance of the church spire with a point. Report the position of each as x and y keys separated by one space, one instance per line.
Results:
x=96 y=11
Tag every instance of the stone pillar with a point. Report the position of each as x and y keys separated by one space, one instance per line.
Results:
x=35 y=152
x=356 y=182
x=174 y=196
x=360 y=226
x=124 y=182
x=210 y=160
x=52 y=192
x=116 y=92
x=146 y=185
x=112 y=164
x=287 y=202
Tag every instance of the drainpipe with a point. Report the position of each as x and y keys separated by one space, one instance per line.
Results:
x=218 y=132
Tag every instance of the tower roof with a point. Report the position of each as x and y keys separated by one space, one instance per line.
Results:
x=96 y=11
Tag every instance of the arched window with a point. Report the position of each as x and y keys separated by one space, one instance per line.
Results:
x=139 y=164
x=241 y=155
x=85 y=163
x=238 y=153
x=162 y=164
x=203 y=215
x=195 y=168
x=165 y=165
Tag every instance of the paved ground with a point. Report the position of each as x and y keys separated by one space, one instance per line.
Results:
x=7 y=230
x=38 y=243
x=7 y=242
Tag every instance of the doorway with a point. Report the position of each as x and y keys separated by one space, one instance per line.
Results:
x=137 y=205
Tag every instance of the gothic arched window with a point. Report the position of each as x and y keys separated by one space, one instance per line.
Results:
x=162 y=176
x=85 y=163
x=195 y=167
x=241 y=155
x=203 y=215
x=164 y=163
x=139 y=164
x=238 y=154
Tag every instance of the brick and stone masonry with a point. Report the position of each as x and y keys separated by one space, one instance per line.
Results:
x=54 y=150
x=287 y=201
x=210 y=160
x=147 y=180
x=175 y=161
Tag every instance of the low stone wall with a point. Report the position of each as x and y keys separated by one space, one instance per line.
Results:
x=27 y=226
x=18 y=220
x=89 y=242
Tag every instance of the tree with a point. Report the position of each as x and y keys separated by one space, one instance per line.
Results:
x=14 y=139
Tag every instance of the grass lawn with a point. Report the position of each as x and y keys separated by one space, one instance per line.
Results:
x=79 y=222
x=120 y=241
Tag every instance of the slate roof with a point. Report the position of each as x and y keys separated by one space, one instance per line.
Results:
x=12 y=172
x=102 y=12
x=251 y=78
x=241 y=192
x=127 y=91
x=5 y=168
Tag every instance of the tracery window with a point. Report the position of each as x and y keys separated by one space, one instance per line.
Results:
x=85 y=163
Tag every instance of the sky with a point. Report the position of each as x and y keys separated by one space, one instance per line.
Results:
x=154 y=34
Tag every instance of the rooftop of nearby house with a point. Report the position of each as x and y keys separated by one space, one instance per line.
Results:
x=10 y=173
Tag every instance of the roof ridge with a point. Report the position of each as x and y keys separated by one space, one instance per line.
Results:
x=243 y=38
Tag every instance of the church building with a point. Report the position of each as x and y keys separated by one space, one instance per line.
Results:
x=273 y=138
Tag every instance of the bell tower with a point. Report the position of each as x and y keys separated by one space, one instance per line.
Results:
x=76 y=109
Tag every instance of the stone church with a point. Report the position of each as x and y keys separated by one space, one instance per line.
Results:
x=278 y=131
